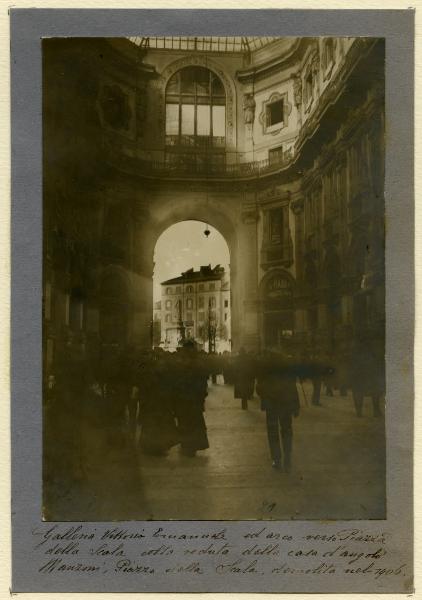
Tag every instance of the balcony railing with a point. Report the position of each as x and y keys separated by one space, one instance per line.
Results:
x=201 y=166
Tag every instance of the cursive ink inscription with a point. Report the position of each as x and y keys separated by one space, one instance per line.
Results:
x=189 y=551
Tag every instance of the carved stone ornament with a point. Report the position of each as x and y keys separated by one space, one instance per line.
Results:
x=249 y=105
x=315 y=64
x=297 y=89
x=249 y=216
x=297 y=206
x=115 y=107
x=287 y=109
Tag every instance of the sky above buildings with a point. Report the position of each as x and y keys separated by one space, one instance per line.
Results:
x=183 y=246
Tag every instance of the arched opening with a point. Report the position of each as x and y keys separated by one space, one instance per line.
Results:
x=192 y=288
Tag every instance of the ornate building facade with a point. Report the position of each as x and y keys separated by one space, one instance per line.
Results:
x=196 y=306
x=276 y=142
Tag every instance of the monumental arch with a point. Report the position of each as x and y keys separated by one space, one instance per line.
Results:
x=287 y=163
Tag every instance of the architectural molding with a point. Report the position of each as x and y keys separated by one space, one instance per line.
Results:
x=287 y=109
x=276 y=194
x=297 y=206
x=272 y=273
x=266 y=68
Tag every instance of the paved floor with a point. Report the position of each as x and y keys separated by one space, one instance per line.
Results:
x=338 y=470
x=338 y=466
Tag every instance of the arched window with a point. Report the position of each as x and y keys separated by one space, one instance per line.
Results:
x=195 y=109
x=168 y=291
x=189 y=289
x=168 y=304
x=168 y=318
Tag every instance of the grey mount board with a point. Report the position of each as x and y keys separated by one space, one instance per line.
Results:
x=28 y=26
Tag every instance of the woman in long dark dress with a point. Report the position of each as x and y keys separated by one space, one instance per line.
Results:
x=190 y=391
x=158 y=427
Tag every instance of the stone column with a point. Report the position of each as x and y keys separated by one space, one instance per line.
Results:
x=297 y=208
x=247 y=280
x=142 y=273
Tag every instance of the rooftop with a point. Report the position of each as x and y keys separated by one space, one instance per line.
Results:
x=205 y=273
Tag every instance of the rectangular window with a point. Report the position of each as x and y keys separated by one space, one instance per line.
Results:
x=329 y=52
x=225 y=316
x=203 y=120
x=188 y=119
x=309 y=88
x=172 y=119
x=201 y=301
x=226 y=303
x=201 y=316
x=212 y=287
x=276 y=226
x=275 y=155
x=275 y=113
x=219 y=121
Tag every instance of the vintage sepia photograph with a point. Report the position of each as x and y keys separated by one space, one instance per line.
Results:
x=213 y=327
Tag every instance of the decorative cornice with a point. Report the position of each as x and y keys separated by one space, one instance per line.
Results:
x=273 y=194
x=360 y=48
x=274 y=64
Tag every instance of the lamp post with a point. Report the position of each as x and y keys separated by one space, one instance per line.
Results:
x=180 y=325
x=211 y=331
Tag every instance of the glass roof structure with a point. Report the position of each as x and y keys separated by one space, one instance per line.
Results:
x=206 y=44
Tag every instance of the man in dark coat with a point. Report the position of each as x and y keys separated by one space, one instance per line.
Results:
x=277 y=389
x=244 y=378
x=368 y=377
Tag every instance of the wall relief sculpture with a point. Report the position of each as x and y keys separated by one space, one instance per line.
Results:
x=249 y=105
x=115 y=107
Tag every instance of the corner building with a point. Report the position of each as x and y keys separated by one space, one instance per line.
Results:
x=276 y=142
x=198 y=301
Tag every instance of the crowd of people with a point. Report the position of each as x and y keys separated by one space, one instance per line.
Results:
x=162 y=395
